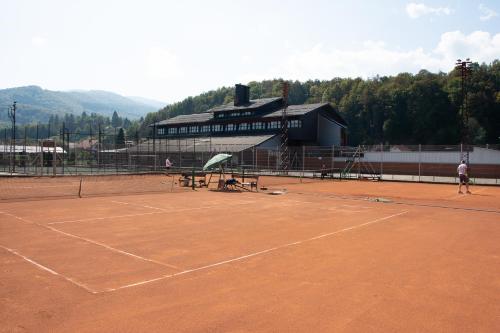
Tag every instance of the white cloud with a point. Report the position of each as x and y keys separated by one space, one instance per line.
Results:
x=486 y=13
x=415 y=10
x=38 y=41
x=372 y=58
x=163 y=64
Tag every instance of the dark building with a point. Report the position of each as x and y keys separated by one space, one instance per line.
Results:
x=308 y=124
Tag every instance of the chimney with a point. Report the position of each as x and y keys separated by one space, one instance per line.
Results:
x=241 y=95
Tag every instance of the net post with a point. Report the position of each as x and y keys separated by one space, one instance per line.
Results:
x=80 y=188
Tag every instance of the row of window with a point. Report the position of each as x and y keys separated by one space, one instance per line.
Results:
x=233 y=114
x=258 y=125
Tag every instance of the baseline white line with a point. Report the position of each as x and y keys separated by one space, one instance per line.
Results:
x=51 y=271
x=94 y=242
x=256 y=253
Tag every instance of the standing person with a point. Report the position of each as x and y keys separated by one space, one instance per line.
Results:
x=463 y=178
x=323 y=171
x=168 y=164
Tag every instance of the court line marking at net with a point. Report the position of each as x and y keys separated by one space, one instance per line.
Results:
x=254 y=254
x=51 y=271
x=93 y=242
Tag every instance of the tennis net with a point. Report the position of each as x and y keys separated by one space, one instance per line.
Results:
x=33 y=188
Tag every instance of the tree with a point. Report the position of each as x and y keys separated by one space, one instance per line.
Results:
x=120 y=139
x=116 y=121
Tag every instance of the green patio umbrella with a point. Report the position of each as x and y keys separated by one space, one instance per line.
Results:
x=216 y=161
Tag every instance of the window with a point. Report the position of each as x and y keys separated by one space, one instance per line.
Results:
x=243 y=127
x=205 y=128
x=246 y=113
x=235 y=114
x=273 y=125
x=161 y=131
x=193 y=129
x=258 y=125
x=294 y=123
x=183 y=130
x=230 y=127
x=172 y=130
x=217 y=128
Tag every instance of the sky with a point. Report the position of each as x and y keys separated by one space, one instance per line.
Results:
x=169 y=50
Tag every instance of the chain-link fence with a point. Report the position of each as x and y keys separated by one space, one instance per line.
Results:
x=88 y=154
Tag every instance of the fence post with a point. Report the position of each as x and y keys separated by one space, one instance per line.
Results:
x=381 y=160
x=54 y=159
x=267 y=159
x=180 y=154
x=24 y=151
x=333 y=161
x=41 y=157
x=62 y=159
x=419 y=160
x=99 y=147
x=253 y=158
x=303 y=161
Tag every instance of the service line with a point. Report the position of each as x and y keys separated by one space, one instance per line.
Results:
x=254 y=254
x=92 y=242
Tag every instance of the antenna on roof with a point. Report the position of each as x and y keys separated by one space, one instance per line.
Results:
x=284 y=156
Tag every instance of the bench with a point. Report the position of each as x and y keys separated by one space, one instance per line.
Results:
x=253 y=183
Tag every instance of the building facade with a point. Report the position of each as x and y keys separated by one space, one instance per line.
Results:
x=308 y=124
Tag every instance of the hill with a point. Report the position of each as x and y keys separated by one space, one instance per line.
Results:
x=37 y=105
x=422 y=108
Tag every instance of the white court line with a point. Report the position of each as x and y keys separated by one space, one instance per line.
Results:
x=104 y=218
x=344 y=210
x=170 y=210
x=93 y=242
x=51 y=271
x=255 y=253
x=463 y=195
x=47 y=186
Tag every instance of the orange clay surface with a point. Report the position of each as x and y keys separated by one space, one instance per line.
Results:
x=323 y=257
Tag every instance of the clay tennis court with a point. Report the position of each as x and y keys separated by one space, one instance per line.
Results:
x=325 y=256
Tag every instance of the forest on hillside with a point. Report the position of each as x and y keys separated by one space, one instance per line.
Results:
x=407 y=108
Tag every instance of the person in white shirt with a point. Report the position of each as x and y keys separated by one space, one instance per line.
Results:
x=168 y=164
x=463 y=178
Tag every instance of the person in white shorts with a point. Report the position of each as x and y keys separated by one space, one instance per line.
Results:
x=463 y=178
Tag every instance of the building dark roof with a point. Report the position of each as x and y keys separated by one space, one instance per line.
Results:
x=254 y=104
x=200 y=144
x=295 y=110
x=292 y=110
x=299 y=110
x=188 y=118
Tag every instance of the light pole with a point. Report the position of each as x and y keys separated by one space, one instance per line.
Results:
x=465 y=68
x=11 y=112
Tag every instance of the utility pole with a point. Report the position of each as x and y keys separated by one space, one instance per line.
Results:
x=465 y=68
x=12 y=115
x=284 y=158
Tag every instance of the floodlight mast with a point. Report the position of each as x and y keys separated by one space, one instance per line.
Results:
x=284 y=156
x=465 y=68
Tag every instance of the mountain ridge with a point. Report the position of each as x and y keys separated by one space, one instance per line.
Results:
x=36 y=104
